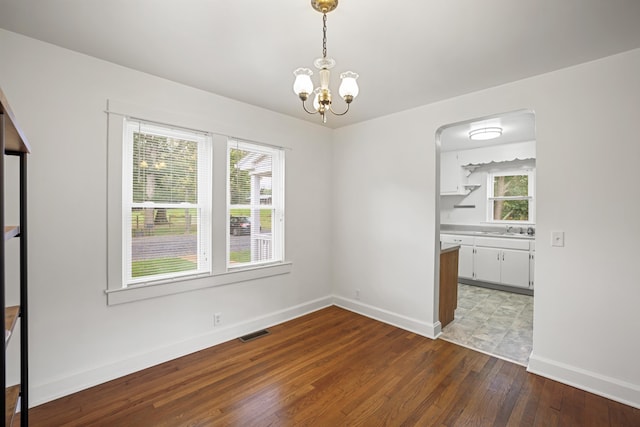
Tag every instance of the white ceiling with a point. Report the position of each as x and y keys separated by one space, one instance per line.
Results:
x=517 y=126
x=407 y=53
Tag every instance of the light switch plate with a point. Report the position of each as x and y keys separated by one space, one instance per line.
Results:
x=557 y=238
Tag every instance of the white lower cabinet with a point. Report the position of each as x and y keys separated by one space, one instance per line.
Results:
x=504 y=266
x=503 y=261
x=488 y=259
x=515 y=268
x=465 y=256
x=532 y=262
x=487 y=262
x=465 y=261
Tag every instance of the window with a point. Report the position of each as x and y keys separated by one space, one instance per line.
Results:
x=510 y=197
x=166 y=203
x=169 y=228
x=255 y=200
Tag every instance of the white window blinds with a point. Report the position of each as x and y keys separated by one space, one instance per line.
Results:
x=255 y=204
x=166 y=202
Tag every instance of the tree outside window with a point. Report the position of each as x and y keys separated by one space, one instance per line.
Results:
x=510 y=197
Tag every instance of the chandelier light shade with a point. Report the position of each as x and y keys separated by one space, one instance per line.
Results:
x=303 y=85
x=349 y=86
x=483 y=134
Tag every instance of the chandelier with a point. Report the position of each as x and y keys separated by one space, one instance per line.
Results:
x=303 y=86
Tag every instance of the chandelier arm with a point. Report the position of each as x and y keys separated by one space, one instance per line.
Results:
x=304 y=107
x=339 y=114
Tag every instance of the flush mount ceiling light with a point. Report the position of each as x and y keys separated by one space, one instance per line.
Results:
x=482 y=134
x=303 y=86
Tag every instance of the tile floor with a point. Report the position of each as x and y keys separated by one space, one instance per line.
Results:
x=495 y=322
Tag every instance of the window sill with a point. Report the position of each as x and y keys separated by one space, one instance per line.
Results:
x=514 y=223
x=154 y=290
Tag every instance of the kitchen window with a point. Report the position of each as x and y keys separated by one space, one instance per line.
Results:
x=255 y=204
x=510 y=197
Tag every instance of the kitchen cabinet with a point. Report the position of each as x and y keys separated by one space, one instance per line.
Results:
x=532 y=261
x=504 y=266
x=487 y=263
x=503 y=261
x=465 y=261
x=495 y=260
x=514 y=268
x=465 y=256
x=451 y=174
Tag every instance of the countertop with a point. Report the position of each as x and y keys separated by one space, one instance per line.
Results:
x=448 y=247
x=499 y=234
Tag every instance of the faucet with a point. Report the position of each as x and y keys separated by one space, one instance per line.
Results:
x=509 y=228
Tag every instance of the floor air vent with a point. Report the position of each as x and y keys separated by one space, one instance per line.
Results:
x=254 y=335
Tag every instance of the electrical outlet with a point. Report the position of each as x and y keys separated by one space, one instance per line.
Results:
x=217 y=318
x=357 y=294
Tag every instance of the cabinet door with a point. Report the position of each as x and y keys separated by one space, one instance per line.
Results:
x=450 y=172
x=465 y=266
x=532 y=262
x=487 y=264
x=515 y=268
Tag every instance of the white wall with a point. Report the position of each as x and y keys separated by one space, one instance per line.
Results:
x=59 y=98
x=586 y=303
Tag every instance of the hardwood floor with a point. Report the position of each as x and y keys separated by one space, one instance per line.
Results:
x=334 y=368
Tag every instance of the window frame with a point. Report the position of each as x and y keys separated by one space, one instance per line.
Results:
x=277 y=203
x=115 y=294
x=530 y=197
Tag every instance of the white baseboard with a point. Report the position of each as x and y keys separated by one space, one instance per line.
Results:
x=42 y=393
x=595 y=383
x=419 y=327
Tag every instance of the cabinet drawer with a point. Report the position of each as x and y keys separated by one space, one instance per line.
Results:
x=492 y=242
x=457 y=239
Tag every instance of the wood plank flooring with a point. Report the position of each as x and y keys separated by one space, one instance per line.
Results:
x=334 y=368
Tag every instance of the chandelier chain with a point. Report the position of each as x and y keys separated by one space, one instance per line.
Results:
x=324 y=35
